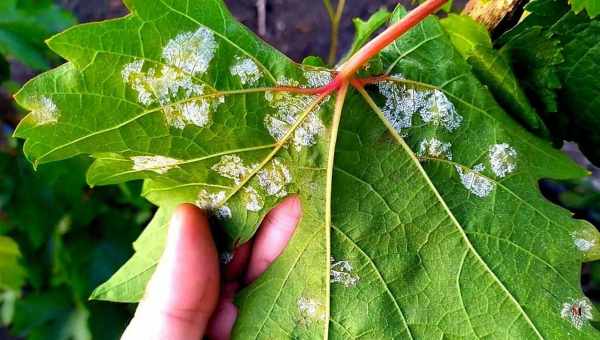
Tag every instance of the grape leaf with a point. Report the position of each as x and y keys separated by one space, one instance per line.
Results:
x=472 y=40
x=555 y=53
x=12 y=275
x=428 y=223
x=591 y=6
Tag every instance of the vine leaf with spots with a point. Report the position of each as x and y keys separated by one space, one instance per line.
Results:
x=422 y=216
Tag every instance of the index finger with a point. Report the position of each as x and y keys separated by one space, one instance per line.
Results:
x=273 y=236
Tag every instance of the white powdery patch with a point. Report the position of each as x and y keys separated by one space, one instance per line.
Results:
x=44 y=111
x=434 y=148
x=172 y=85
x=232 y=167
x=578 y=312
x=289 y=108
x=308 y=132
x=159 y=164
x=175 y=91
x=274 y=178
x=503 y=159
x=317 y=79
x=582 y=243
x=214 y=202
x=254 y=201
x=285 y=81
x=246 y=69
x=311 y=309
x=474 y=181
x=191 y=51
x=196 y=112
x=401 y=103
x=440 y=111
x=341 y=272
x=159 y=86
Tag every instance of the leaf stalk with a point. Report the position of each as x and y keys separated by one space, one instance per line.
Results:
x=347 y=71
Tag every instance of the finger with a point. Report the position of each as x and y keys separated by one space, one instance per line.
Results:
x=221 y=324
x=234 y=269
x=183 y=292
x=273 y=236
x=223 y=319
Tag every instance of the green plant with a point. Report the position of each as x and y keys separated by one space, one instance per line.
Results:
x=24 y=25
x=72 y=239
x=426 y=222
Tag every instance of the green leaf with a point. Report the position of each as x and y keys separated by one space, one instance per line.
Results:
x=129 y=283
x=366 y=29
x=581 y=90
x=555 y=53
x=49 y=316
x=428 y=223
x=472 y=40
x=535 y=59
x=591 y=6
x=24 y=25
x=12 y=275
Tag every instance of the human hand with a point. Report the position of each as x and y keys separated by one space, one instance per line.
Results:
x=185 y=298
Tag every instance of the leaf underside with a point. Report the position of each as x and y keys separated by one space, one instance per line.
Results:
x=437 y=227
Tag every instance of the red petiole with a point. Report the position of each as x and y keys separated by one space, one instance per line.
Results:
x=346 y=72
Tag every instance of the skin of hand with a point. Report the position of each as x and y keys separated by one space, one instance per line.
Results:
x=189 y=296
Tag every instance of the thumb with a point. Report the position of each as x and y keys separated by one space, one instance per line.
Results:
x=182 y=294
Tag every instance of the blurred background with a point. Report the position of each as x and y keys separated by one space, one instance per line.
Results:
x=72 y=237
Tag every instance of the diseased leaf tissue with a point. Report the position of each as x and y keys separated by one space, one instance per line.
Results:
x=437 y=227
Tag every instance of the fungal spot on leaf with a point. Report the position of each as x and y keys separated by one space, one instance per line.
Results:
x=246 y=70
x=183 y=101
x=503 y=159
x=317 y=79
x=401 y=104
x=583 y=243
x=232 y=167
x=440 y=111
x=254 y=201
x=474 y=181
x=285 y=81
x=159 y=164
x=311 y=309
x=195 y=112
x=578 y=312
x=434 y=148
x=289 y=109
x=44 y=111
x=403 y=101
x=274 y=178
x=191 y=51
x=172 y=86
x=341 y=272
x=213 y=202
